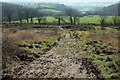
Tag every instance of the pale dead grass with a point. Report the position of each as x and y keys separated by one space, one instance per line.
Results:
x=20 y=36
x=104 y=36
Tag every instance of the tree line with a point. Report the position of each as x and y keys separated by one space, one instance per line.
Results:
x=16 y=12
x=19 y=12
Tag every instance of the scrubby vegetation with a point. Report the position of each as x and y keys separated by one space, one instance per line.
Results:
x=26 y=44
x=102 y=52
x=54 y=40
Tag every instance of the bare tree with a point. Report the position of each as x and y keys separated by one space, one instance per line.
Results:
x=115 y=20
x=74 y=15
x=32 y=14
x=70 y=12
x=103 y=20
x=40 y=16
x=118 y=20
x=8 y=12
x=59 y=17
x=20 y=14
x=27 y=14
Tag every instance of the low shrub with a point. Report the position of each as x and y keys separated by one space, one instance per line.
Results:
x=9 y=51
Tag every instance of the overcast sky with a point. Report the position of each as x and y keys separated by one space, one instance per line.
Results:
x=60 y=1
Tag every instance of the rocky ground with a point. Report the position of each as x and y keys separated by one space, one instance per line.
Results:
x=62 y=61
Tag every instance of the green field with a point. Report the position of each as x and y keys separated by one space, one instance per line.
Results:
x=50 y=11
x=86 y=19
x=94 y=19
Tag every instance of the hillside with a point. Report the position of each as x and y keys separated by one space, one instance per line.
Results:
x=17 y=11
x=49 y=7
x=111 y=10
x=89 y=5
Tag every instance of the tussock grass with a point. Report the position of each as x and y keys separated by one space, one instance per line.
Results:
x=101 y=45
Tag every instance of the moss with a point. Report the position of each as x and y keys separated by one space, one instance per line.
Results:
x=115 y=76
x=10 y=65
x=117 y=62
x=28 y=50
x=105 y=61
x=106 y=64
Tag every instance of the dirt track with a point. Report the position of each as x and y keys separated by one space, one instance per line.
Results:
x=61 y=61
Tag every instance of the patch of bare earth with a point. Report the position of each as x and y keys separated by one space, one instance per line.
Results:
x=60 y=62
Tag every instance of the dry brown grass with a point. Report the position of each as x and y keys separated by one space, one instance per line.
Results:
x=9 y=52
x=15 y=36
x=105 y=36
x=20 y=36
